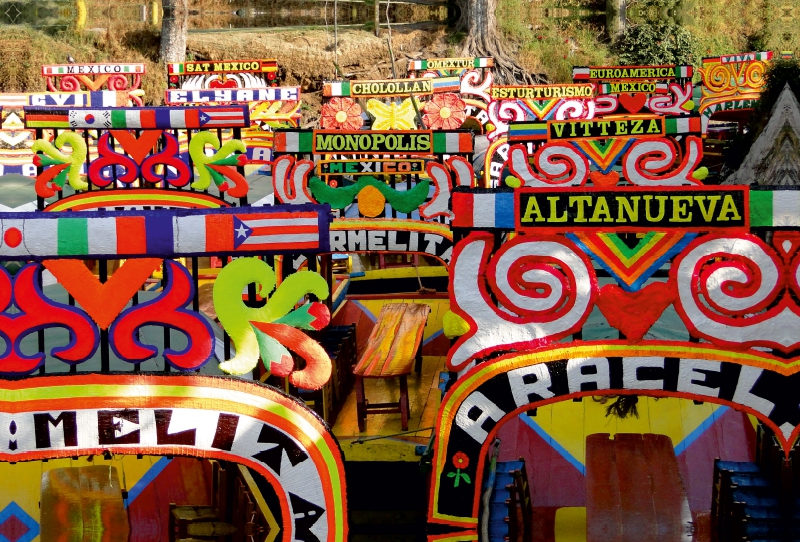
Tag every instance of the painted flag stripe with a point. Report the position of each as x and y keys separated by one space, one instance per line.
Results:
x=72 y=234
x=504 y=210
x=278 y=223
x=527 y=130
x=462 y=209
x=775 y=208
x=484 y=215
x=446 y=84
x=452 y=142
x=167 y=233
x=280 y=238
x=161 y=118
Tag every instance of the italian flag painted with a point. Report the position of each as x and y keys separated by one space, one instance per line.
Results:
x=775 y=208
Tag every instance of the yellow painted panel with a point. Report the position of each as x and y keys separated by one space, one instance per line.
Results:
x=568 y=422
x=571 y=524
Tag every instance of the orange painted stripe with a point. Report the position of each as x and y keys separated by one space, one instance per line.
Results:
x=131 y=238
x=219 y=233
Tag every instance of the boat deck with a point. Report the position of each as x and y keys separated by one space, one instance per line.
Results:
x=384 y=439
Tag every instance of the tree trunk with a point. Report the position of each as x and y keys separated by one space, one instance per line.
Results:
x=173 y=31
x=479 y=21
x=615 y=18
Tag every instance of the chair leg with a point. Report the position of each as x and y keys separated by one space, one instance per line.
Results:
x=361 y=404
x=418 y=361
x=404 y=410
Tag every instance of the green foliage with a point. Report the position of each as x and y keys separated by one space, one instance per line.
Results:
x=456 y=38
x=655 y=43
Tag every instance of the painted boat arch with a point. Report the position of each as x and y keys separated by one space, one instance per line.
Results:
x=491 y=393
x=207 y=417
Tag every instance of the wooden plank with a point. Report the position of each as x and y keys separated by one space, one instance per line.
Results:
x=603 y=517
x=61 y=518
x=668 y=496
x=394 y=340
x=83 y=503
x=381 y=339
x=636 y=499
x=197 y=492
x=407 y=340
x=105 y=518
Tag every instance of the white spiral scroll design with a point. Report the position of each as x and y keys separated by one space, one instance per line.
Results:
x=648 y=158
x=545 y=288
x=725 y=302
x=501 y=112
x=575 y=110
x=438 y=205
x=291 y=185
x=471 y=84
x=671 y=103
x=605 y=104
x=560 y=165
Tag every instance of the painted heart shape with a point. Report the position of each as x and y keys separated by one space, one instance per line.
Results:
x=604 y=180
x=103 y=301
x=633 y=313
x=228 y=83
x=633 y=103
x=95 y=84
x=137 y=148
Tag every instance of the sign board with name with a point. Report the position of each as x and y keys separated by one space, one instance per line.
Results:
x=383 y=88
x=233 y=95
x=96 y=98
x=633 y=209
x=373 y=142
x=392 y=235
x=611 y=73
x=222 y=66
x=556 y=130
x=450 y=64
x=61 y=70
x=543 y=92
x=200 y=416
x=370 y=167
x=476 y=405
x=634 y=87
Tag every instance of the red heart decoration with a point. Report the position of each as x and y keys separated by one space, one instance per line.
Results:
x=103 y=301
x=604 y=180
x=633 y=313
x=633 y=103
x=137 y=148
x=228 y=83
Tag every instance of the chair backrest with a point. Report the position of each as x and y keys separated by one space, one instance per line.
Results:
x=520 y=506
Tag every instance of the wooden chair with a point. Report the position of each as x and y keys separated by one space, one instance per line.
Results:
x=520 y=507
x=393 y=345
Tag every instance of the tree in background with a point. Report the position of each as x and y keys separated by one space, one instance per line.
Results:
x=174 y=26
x=655 y=43
x=483 y=38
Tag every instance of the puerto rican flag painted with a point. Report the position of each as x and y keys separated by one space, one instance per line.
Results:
x=267 y=232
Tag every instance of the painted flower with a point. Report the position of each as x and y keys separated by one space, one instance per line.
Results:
x=341 y=114
x=461 y=460
x=444 y=112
